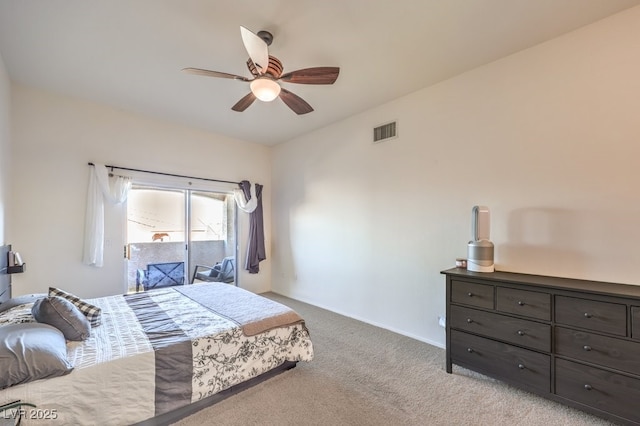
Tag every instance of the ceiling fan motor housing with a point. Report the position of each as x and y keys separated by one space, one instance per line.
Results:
x=274 y=69
x=266 y=36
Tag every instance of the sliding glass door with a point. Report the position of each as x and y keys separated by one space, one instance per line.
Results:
x=212 y=225
x=170 y=232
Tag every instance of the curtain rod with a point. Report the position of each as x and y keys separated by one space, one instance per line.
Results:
x=167 y=174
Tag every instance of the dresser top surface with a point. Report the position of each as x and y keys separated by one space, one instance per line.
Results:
x=598 y=287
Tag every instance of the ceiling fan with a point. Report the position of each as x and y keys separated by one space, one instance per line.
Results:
x=267 y=71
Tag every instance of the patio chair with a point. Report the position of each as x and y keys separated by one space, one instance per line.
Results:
x=158 y=275
x=221 y=272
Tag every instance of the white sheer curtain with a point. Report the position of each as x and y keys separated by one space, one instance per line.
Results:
x=241 y=201
x=101 y=188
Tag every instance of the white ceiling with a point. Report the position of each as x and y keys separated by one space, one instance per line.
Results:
x=129 y=53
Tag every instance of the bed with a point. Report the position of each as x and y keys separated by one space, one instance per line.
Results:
x=159 y=355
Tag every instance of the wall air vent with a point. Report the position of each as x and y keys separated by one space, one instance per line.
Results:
x=384 y=132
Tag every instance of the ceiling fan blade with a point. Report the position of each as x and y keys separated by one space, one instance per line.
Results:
x=244 y=103
x=256 y=48
x=317 y=75
x=295 y=102
x=209 y=73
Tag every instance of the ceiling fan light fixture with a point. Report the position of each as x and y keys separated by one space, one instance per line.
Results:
x=266 y=72
x=265 y=89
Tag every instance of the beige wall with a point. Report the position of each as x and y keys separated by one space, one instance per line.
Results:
x=54 y=138
x=548 y=138
x=5 y=152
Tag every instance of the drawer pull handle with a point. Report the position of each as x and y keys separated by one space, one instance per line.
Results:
x=520 y=333
x=521 y=366
x=470 y=294
x=586 y=348
x=587 y=315
x=520 y=302
x=469 y=320
x=588 y=387
x=470 y=350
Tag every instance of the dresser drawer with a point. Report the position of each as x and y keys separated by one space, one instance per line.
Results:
x=524 y=302
x=592 y=314
x=635 y=322
x=600 y=389
x=596 y=349
x=480 y=295
x=521 y=332
x=500 y=360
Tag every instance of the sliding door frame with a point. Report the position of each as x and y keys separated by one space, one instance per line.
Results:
x=187 y=186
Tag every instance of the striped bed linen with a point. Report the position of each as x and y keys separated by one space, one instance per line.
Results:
x=160 y=350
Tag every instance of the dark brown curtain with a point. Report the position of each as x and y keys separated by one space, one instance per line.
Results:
x=255 y=248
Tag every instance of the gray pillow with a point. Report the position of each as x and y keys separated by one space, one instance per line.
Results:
x=20 y=300
x=30 y=352
x=90 y=311
x=63 y=315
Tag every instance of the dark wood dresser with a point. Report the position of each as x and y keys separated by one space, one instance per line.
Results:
x=573 y=341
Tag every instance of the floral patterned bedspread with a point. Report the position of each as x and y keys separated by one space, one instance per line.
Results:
x=154 y=352
x=186 y=331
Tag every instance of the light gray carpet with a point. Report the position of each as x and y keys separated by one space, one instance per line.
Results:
x=364 y=375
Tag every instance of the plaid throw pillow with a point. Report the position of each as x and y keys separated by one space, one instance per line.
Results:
x=92 y=312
